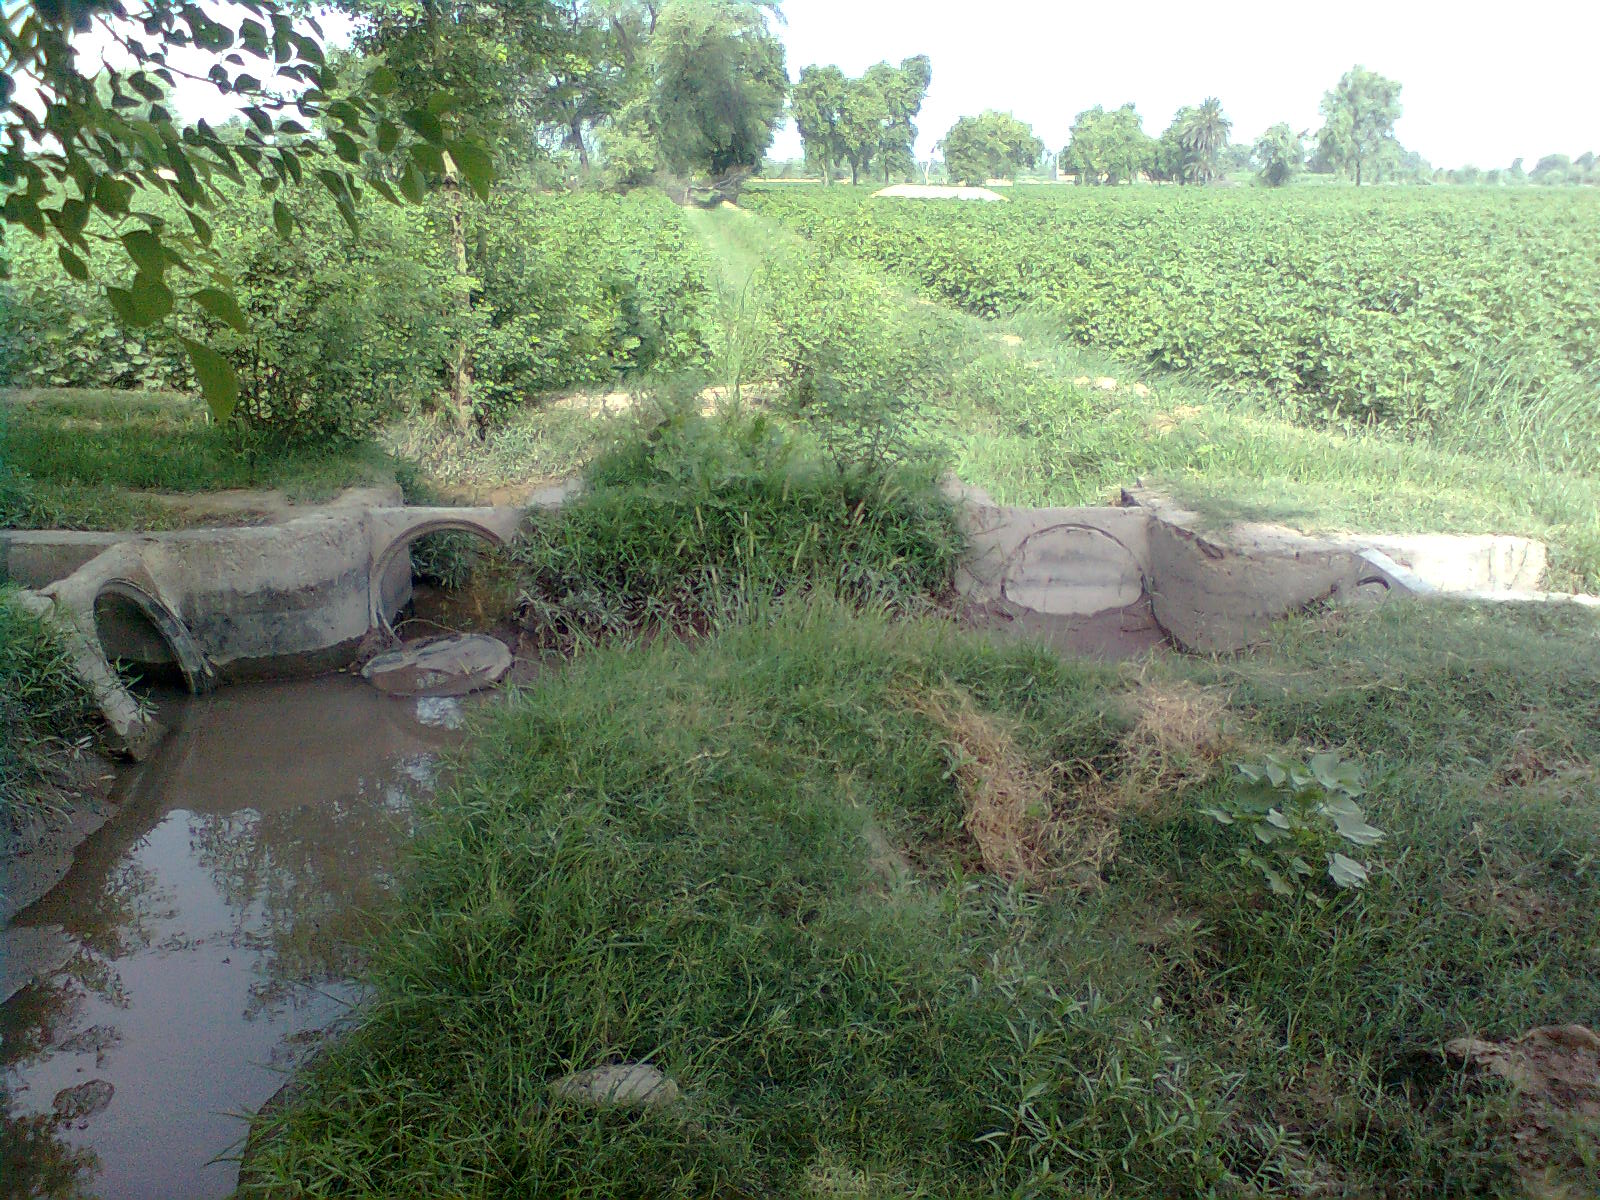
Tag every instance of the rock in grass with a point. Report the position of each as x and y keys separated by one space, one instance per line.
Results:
x=451 y=666
x=75 y=1103
x=626 y=1085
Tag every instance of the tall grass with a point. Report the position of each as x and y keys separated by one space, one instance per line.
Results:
x=47 y=714
x=701 y=520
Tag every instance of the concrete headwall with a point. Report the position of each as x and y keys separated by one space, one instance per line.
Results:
x=235 y=603
x=1214 y=591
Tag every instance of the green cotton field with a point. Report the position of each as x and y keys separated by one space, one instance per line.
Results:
x=1404 y=307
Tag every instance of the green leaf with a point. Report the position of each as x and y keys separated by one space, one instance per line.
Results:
x=1346 y=872
x=476 y=166
x=144 y=302
x=219 y=382
x=345 y=146
x=1355 y=830
x=282 y=219
x=73 y=265
x=222 y=306
x=202 y=228
x=382 y=82
x=412 y=186
x=428 y=158
x=388 y=136
x=144 y=247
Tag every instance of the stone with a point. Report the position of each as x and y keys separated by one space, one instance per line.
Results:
x=449 y=666
x=628 y=1085
x=76 y=1103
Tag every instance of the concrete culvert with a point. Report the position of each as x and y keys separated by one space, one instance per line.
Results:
x=139 y=630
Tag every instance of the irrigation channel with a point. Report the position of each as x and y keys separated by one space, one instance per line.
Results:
x=212 y=934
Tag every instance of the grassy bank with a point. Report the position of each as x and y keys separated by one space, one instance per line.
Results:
x=84 y=459
x=700 y=520
x=906 y=912
x=47 y=716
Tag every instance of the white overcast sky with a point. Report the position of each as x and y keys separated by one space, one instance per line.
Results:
x=1483 y=83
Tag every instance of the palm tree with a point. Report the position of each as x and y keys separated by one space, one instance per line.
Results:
x=1203 y=136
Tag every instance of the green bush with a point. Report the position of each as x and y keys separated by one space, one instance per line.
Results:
x=347 y=331
x=578 y=290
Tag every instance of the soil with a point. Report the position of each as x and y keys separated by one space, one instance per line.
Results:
x=1555 y=1071
x=1110 y=636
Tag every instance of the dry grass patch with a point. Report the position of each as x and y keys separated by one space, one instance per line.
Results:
x=1056 y=825
x=1180 y=735
x=1024 y=825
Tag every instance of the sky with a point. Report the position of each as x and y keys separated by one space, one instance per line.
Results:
x=1483 y=83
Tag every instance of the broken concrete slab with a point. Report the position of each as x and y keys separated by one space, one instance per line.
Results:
x=448 y=666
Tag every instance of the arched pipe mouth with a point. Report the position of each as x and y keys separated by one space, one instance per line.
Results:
x=198 y=675
x=385 y=561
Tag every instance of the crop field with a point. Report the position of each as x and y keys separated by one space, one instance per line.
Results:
x=1413 y=308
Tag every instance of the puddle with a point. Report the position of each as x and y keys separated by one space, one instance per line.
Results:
x=213 y=928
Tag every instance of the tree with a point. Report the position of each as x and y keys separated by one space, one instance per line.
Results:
x=1359 y=116
x=1279 y=155
x=719 y=85
x=818 y=107
x=1112 y=145
x=992 y=145
x=861 y=120
x=903 y=89
x=493 y=58
x=1552 y=168
x=1203 y=135
x=78 y=148
x=589 y=77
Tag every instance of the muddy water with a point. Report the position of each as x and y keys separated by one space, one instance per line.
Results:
x=215 y=924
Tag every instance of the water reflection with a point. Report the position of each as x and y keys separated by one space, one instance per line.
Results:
x=217 y=922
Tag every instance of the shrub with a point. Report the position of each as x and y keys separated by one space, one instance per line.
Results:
x=702 y=520
x=345 y=331
x=579 y=290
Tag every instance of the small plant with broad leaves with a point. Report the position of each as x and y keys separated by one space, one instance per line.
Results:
x=1296 y=814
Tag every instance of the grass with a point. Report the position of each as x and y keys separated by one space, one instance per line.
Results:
x=97 y=459
x=532 y=446
x=677 y=853
x=46 y=714
x=1050 y=441
x=693 y=522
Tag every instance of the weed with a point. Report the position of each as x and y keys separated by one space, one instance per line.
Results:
x=47 y=714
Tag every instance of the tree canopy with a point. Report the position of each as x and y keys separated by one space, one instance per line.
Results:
x=992 y=145
x=78 y=149
x=1109 y=146
x=861 y=121
x=719 y=85
x=1279 y=155
x=1359 y=116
